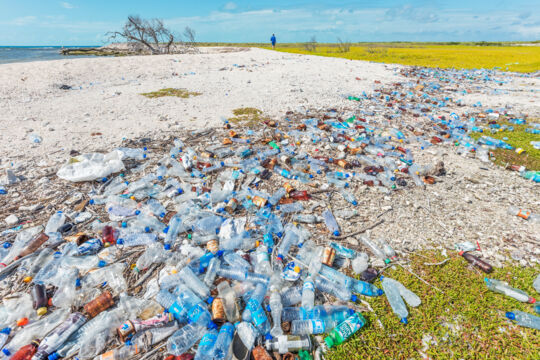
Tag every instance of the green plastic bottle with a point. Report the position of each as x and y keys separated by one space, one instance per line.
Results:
x=305 y=355
x=345 y=330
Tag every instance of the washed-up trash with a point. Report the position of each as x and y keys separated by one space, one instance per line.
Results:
x=92 y=166
x=502 y=287
x=35 y=138
x=524 y=319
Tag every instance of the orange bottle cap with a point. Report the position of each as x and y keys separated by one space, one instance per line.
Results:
x=22 y=322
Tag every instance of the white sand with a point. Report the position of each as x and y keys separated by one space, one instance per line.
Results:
x=107 y=96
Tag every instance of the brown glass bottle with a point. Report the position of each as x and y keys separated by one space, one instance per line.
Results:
x=475 y=261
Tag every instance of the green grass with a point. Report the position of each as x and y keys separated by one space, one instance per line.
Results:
x=248 y=116
x=182 y=93
x=467 y=321
x=449 y=55
x=518 y=139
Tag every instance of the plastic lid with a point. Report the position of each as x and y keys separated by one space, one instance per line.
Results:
x=210 y=300
x=41 y=311
x=268 y=336
x=5 y=330
x=355 y=202
x=511 y=315
x=77 y=282
x=120 y=241
x=6 y=352
x=124 y=224
x=380 y=292
x=6 y=245
x=91 y=202
x=212 y=325
x=102 y=263
x=219 y=253
x=404 y=321
x=336 y=233
x=354 y=298
x=532 y=300
x=268 y=308
x=297 y=269
x=166 y=230
x=351 y=311
x=137 y=212
x=104 y=179
x=167 y=246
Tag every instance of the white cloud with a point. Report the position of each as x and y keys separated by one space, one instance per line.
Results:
x=67 y=5
x=230 y=6
x=24 y=20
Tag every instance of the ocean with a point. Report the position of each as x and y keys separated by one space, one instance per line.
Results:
x=13 y=54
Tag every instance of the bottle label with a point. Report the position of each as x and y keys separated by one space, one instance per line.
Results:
x=349 y=326
x=258 y=316
x=195 y=313
x=208 y=340
x=109 y=355
x=318 y=326
x=308 y=285
x=524 y=214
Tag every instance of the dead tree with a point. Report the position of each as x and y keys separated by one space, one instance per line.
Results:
x=150 y=33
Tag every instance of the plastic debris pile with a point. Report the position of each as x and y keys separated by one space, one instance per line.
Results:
x=228 y=241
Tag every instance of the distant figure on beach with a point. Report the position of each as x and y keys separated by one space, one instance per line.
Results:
x=273 y=40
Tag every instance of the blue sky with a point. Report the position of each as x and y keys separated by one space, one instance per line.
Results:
x=84 y=22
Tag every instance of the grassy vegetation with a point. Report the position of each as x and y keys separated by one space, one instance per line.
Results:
x=448 y=55
x=248 y=116
x=467 y=321
x=182 y=93
x=518 y=139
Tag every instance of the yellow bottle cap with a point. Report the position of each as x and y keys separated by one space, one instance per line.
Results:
x=27 y=279
x=41 y=311
x=297 y=269
x=174 y=271
x=257 y=243
x=132 y=197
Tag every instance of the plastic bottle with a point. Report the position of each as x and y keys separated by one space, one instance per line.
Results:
x=410 y=297
x=223 y=341
x=360 y=263
x=27 y=351
x=183 y=339
x=524 y=214
x=395 y=300
x=274 y=199
x=55 y=221
x=524 y=319
x=502 y=287
x=276 y=309
x=349 y=197
x=331 y=222
x=4 y=335
x=242 y=275
x=334 y=289
x=345 y=330
x=247 y=333
x=59 y=335
x=137 y=239
x=288 y=343
x=291 y=296
x=536 y=284
x=205 y=351
x=236 y=261
x=168 y=301
x=319 y=322
x=228 y=296
x=175 y=225
x=372 y=246
x=308 y=293
x=475 y=261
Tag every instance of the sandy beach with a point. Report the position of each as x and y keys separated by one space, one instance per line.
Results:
x=105 y=96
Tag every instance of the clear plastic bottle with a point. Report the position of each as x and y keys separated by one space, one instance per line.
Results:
x=274 y=199
x=337 y=290
x=395 y=300
x=59 y=335
x=319 y=323
x=137 y=239
x=291 y=296
x=536 y=284
x=524 y=319
x=55 y=221
x=288 y=343
x=262 y=260
x=360 y=263
x=223 y=341
x=205 y=350
x=242 y=275
x=291 y=208
x=183 y=339
x=175 y=225
x=236 y=261
x=502 y=287
x=211 y=271
x=524 y=214
x=410 y=297
x=247 y=333
x=308 y=293
x=331 y=222
x=372 y=246
x=168 y=301
x=4 y=335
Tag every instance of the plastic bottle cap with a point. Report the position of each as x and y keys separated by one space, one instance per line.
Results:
x=532 y=300
x=297 y=269
x=166 y=230
x=511 y=315
x=268 y=337
x=77 y=282
x=42 y=311
x=22 y=322
x=27 y=279
x=404 y=321
x=120 y=241
x=336 y=233
x=124 y=224
x=210 y=300
x=212 y=325
x=102 y=263
x=5 y=331
x=137 y=212
x=355 y=202
x=354 y=298
x=167 y=246
x=380 y=292
x=6 y=352
x=147 y=229
x=219 y=253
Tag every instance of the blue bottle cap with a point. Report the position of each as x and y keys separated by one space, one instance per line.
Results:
x=219 y=253
x=167 y=246
x=351 y=311
x=6 y=352
x=404 y=321
x=144 y=156
x=5 y=331
x=268 y=336
x=180 y=191
x=104 y=179
x=160 y=177
x=102 y=263
x=166 y=230
x=212 y=325
x=354 y=298
x=120 y=241
x=91 y=202
x=137 y=212
x=124 y=224
x=268 y=308
x=78 y=282
x=511 y=315
x=162 y=214
x=355 y=202
x=145 y=148
x=147 y=229
x=210 y=300
x=336 y=233
x=53 y=356
x=382 y=277
x=279 y=234
x=6 y=245
x=217 y=231
x=380 y=292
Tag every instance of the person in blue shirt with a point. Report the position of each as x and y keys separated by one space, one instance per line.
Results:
x=273 y=40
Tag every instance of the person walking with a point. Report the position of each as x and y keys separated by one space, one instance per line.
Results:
x=273 y=40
